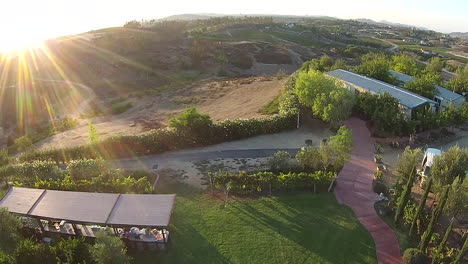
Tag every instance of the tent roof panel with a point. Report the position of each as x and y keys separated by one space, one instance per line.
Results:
x=99 y=208
x=75 y=206
x=152 y=210
x=20 y=200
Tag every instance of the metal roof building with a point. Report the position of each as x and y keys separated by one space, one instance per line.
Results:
x=406 y=98
x=443 y=96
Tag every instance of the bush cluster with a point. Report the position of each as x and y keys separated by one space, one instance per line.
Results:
x=80 y=175
x=162 y=140
x=245 y=183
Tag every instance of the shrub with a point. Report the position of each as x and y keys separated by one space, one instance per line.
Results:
x=109 y=249
x=23 y=143
x=86 y=168
x=29 y=171
x=280 y=162
x=379 y=187
x=9 y=225
x=378 y=175
x=73 y=251
x=29 y=252
x=244 y=183
x=414 y=256
x=6 y=259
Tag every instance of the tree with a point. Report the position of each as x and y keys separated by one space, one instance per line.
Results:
x=191 y=122
x=405 y=64
x=420 y=208
x=109 y=249
x=23 y=143
x=457 y=202
x=132 y=24
x=424 y=85
x=435 y=65
x=223 y=179
x=93 y=134
x=436 y=213
x=446 y=236
x=325 y=95
x=459 y=84
x=407 y=163
x=376 y=66
x=326 y=62
x=9 y=225
x=405 y=195
x=339 y=64
x=450 y=165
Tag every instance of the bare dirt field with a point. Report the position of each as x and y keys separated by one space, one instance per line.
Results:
x=221 y=99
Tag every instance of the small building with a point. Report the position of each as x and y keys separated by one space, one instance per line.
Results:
x=444 y=97
x=408 y=101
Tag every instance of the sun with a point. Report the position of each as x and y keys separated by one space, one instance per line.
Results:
x=18 y=42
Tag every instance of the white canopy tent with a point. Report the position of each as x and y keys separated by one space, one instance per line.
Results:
x=139 y=210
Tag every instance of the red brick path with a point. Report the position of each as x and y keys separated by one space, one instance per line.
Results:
x=354 y=189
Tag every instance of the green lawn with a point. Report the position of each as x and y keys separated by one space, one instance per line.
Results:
x=290 y=228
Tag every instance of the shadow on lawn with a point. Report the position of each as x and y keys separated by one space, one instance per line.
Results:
x=330 y=231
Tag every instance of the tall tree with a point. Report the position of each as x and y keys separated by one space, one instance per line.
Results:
x=420 y=208
x=461 y=253
x=93 y=134
x=405 y=195
x=446 y=235
x=436 y=213
x=407 y=163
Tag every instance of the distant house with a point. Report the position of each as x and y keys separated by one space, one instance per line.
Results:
x=408 y=101
x=443 y=97
x=428 y=52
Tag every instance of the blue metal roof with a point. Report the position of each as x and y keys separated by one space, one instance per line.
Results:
x=441 y=91
x=405 y=97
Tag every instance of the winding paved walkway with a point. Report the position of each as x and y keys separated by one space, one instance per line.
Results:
x=354 y=189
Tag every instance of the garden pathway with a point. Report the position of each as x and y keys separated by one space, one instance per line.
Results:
x=354 y=189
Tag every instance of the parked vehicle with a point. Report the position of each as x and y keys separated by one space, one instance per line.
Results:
x=425 y=169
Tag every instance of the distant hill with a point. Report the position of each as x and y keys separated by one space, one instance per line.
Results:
x=186 y=17
x=386 y=23
x=210 y=15
x=463 y=35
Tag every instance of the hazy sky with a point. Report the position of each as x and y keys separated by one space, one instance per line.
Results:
x=24 y=21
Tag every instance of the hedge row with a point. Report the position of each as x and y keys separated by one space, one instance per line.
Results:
x=162 y=140
x=244 y=183
x=31 y=170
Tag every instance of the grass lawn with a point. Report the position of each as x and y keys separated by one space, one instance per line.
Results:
x=289 y=228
